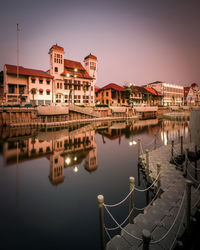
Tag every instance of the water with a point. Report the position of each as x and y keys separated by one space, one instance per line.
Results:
x=49 y=180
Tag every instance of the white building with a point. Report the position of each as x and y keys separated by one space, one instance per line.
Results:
x=23 y=85
x=72 y=82
x=172 y=94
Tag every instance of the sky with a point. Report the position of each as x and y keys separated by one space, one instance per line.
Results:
x=135 y=41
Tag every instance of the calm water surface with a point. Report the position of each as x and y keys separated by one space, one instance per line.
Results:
x=49 y=180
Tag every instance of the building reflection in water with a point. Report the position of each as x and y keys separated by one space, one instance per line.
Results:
x=69 y=148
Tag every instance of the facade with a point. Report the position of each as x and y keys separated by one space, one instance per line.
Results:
x=23 y=85
x=144 y=96
x=111 y=94
x=191 y=95
x=172 y=94
x=72 y=82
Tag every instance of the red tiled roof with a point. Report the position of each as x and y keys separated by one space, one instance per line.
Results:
x=12 y=69
x=57 y=47
x=69 y=67
x=90 y=56
x=114 y=86
x=151 y=90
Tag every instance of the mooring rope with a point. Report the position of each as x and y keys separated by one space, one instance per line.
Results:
x=164 y=236
x=135 y=237
x=119 y=203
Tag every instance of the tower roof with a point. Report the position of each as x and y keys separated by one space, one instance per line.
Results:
x=91 y=57
x=57 y=47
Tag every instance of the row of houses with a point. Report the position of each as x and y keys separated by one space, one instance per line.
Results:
x=156 y=93
x=68 y=81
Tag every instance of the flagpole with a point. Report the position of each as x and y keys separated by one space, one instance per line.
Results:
x=17 y=62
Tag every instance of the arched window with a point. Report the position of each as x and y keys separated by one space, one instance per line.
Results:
x=56 y=69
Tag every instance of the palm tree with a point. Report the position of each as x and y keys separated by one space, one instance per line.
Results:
x=70 y=95
x=33 y=93
x=84 y=89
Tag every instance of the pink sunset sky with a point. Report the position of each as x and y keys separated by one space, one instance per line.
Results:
x=136 y=41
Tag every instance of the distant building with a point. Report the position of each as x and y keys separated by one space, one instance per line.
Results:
x=172 y=94
x=24 y=85
x=72 y=82
x=142 y=95
x=191 y=95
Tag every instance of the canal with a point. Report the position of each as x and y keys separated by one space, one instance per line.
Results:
x=50 y=179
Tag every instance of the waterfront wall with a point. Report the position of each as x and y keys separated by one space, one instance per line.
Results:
x=195 y=126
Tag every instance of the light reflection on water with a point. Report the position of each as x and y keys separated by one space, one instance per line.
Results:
x=49 y=180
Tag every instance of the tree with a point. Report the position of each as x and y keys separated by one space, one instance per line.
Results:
x=70 y=95
x=33 y=93
x=128 y=93
x=84 y=89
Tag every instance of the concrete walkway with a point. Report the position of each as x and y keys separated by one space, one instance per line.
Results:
x=159 y=217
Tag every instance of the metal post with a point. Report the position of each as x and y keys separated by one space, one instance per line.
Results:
x=147 y=164
x=181 y=145
x=139 y=148
x=186 y=162
x=132 y=185
x=195 y=162
x=155 y=142
x=100 y=199
x=146 y=237
x=172 y=150
x=178 y=134
x=158 y=181
x=188 y=204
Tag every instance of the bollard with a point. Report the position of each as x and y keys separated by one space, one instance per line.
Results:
x=146 y=237
x=186 y=162
x=155 y=142
x=178 y=134
x=172 y=150
x=158 y=181
x=100 y=199
x=139 y=148
x=181 y=145
x=188 y=204
x=147 y=163
x=132 y=185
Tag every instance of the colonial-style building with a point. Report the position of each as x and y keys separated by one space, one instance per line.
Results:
x=73 y=83
x=111 y=94
x=66 y=81
x=27 y=85
x=142 y=95
x=172 y=94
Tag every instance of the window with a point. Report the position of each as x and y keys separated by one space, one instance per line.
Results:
x=41 y=91
x=106 y=93
x=61 y=85
x=57 y=85
x=56 y=69
x=48 y=81
x=40 y=81
x=32 y=80
x=91 y=88
x=48 y=92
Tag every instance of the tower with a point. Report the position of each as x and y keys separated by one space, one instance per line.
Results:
x=56 y=60
x=90 y=63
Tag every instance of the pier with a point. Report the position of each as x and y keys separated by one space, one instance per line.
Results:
x=168 y=216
